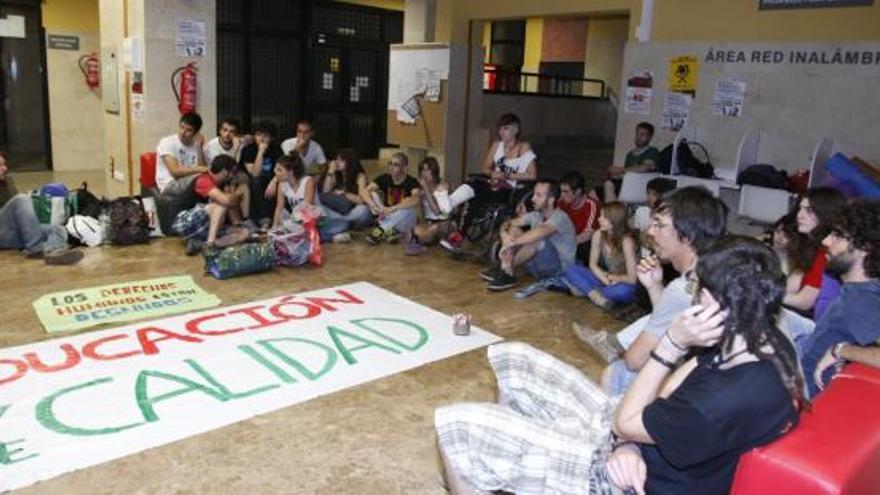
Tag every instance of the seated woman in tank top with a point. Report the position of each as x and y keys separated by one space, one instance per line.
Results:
x=509 y=160
x=435 y=223
x=296 y=189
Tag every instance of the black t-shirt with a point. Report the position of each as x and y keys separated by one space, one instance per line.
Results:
x=709 y=421
x=272 y=154
x=393 y=193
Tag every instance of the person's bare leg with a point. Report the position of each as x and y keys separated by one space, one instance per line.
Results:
x=454 y=482
x=217 y=214
x=245 y=204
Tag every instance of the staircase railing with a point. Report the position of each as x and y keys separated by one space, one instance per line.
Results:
x=504 y=81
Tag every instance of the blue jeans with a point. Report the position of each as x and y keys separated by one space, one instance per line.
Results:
x=20 y=229
x=584 y=280
x=403 y=220
x=329 y=226
x=545 y=263
x=358 y=217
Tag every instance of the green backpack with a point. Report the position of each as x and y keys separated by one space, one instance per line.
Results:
x=241 y=259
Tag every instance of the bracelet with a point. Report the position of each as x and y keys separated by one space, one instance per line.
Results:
x=664 y=362
x=835 y=351
x=674 y=343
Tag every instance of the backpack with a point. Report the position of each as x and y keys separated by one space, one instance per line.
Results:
x=86 y=203
x=688 y=164
x=763 y=176
x=241 y=259
x=664 y=162
x=128 y=221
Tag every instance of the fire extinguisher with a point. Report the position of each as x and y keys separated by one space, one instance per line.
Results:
x=91 y=69
x=187 y=82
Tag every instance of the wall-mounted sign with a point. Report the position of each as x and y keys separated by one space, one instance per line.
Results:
x=63 y=42
x=811 y=4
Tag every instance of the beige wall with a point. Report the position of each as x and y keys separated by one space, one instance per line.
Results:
x=606 y=41
x=154 y=22
x=75 y=112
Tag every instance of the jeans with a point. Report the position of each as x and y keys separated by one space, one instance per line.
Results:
x=403 y=220
x=329 y=226
x=583 y=279
x=545 y=263
x=20 y=229
x=359 y=216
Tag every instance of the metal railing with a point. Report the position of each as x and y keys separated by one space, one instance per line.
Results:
x=504 y=81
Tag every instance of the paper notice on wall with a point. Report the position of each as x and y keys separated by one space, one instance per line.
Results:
x=729 y=97
x=137 y=107
x=683 y=74
x=639 y=93
x=675 y=110
x=432 y=86
x=192 y=37
x=409 y=110
x=12 y=26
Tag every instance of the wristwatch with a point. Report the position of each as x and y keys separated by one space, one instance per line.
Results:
x=835 y=352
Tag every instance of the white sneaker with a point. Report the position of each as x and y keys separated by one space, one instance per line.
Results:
x=341 y=238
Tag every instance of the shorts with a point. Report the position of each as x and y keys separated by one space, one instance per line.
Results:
x=193 y=223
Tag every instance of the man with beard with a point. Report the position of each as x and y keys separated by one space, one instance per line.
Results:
x=848 y=331
x=642 y=158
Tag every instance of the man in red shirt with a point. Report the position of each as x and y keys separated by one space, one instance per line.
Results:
x=215 y=197
x=582 y=209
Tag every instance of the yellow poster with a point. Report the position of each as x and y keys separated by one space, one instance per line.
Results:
x=683 y=74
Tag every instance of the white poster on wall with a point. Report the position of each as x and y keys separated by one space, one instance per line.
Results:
x=675 y=110
x=639 y=93
x=192 y=37
x=729 y=97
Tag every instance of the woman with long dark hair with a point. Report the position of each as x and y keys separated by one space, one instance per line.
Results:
x=682 y=425
x=817 y=209
x=341 y=188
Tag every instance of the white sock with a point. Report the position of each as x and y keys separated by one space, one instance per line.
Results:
x=463 y=194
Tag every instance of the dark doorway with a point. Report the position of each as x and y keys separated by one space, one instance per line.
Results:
x=282 y=60
x=24 y=119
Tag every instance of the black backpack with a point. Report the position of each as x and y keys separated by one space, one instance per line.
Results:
x=688 y=164
x=128 y=221
x=87 y=203
x=664 y=162
x=764 y=176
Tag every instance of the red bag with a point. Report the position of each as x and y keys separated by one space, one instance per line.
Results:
x=309 y=218
x=799 y=181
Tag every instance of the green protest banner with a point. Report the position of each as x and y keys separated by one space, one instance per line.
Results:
x=85 y=308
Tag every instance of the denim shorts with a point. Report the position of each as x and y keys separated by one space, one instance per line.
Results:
x=545 y=263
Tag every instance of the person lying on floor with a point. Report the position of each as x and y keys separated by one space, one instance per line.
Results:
x=20 y=229
x=546 y=249
x=680 y=428
x=611 y=276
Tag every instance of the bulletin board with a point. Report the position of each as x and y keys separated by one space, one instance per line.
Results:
x=414 y=72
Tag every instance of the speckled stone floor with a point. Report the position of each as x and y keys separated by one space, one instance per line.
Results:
x=375 y=438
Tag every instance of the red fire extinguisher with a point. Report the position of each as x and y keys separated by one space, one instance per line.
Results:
x=187 y=84
x=91 y=69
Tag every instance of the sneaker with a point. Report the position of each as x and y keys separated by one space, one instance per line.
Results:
x=599 y=300
x=193 y=247
x=453 y=242
x=502 y=282
x=532 y=289
x=63 y=257
x=392 y=236
x=604 y=343
x=376 y=236
x=489 y=274
x=34 y=255
x=341 y=238
x=414 y=249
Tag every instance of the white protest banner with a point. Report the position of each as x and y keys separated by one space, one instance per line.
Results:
x=74 y=402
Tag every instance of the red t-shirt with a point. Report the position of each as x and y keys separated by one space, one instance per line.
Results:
x=586 y=215
x=204 y=184
x=813 y=277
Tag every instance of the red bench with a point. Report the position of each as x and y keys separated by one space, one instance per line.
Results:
x=835 y=449
x=148 y=174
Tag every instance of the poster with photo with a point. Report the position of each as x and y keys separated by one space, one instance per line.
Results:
x=676 y=108
x=639 y=93
x=729 y=97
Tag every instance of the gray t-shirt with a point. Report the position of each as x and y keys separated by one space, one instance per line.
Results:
x=563 y=239
x=677 y=297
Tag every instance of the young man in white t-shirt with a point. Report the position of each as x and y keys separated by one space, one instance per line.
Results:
x=308 y=150
x=179 y=157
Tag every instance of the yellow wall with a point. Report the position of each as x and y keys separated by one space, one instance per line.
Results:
x=75 y=111
x=740 y=20
x=382 y=4
x=487 y=41
x=534 y=41
x=606 y=40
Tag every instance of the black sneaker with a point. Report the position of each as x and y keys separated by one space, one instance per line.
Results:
x=502 y=282
x=489 y=274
